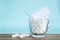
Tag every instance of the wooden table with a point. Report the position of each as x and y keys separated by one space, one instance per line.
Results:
x=48 y=37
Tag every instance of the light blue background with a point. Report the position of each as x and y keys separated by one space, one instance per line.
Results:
x=13 y=19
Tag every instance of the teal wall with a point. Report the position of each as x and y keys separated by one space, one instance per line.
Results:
x=13 y=19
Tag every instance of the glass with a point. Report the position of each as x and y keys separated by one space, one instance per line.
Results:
x=38 y=27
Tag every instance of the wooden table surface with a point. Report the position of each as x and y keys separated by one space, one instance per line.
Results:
x=48 y=37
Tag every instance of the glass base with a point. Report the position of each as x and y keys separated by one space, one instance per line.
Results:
x=38 y=36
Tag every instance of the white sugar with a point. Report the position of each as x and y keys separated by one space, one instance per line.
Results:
x=39 y=21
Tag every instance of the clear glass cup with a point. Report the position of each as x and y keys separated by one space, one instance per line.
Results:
x=38 y=27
